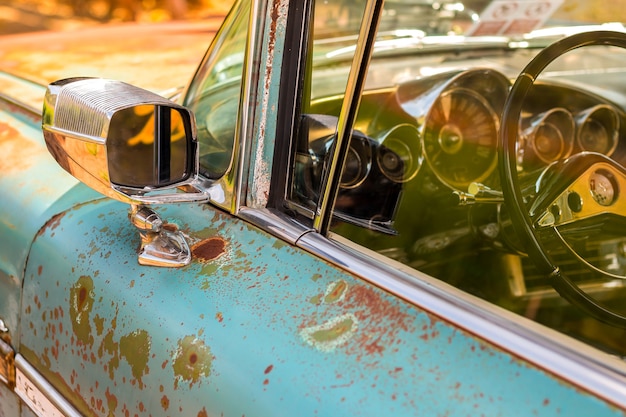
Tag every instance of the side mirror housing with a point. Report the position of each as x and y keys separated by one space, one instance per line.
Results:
x=125 y=142
x=131 y=145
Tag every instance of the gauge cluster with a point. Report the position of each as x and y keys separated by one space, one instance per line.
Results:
x=457 y=117
x=585 y=123
x=458 y=121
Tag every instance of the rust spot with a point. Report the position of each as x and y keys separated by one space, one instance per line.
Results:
x=165 y=402
x=209 y=249
x=385 y=321
x=51 y=224
x=81 y=303
x=336 y=291
x=192 y=360
x=111 y=402
x=203 y=413
x=268 y=369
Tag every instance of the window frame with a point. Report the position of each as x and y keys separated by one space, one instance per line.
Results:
x=295 y=84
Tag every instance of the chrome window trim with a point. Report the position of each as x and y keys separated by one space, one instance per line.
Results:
x=571 y=360
x=275 y=223
x=21 y=105
x=347 y=116
x=229 y=189
x=39 y=394
x=244 y=129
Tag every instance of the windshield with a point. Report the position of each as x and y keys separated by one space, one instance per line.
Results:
x=471 y=18
x=441 y=35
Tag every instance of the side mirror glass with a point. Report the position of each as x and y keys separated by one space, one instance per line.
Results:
x=149 y=145
x=125 y=142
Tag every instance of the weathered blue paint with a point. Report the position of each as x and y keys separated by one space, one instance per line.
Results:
x=252 y=327
x=28 y=201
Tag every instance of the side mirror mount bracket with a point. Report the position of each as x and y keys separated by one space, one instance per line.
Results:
x=159 y=245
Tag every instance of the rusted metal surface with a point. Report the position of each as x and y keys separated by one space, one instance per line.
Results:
x=126 y=52
x=253 y=326
x=263 y=142
x=28 y=200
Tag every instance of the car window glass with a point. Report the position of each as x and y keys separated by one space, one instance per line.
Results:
x=424 y=145
x=215 y=92
x=333 y=20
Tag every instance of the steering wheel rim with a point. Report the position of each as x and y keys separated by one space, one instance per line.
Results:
x=511 y=189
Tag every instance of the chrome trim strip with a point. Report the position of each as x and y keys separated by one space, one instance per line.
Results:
x=85 y=138
x=25 y=107
x=569 y=359
x=38 y=394
x=348 y=113
x=23 y=104
x=275 y=223
x=244 y=126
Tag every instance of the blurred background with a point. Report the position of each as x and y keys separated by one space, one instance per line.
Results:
x=19 y=16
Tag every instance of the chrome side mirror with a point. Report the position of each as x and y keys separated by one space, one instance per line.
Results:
x=128 y=144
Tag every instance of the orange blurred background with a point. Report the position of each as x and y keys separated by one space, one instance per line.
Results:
x=18 y=16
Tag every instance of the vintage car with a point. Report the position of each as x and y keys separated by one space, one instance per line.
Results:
x=359 y=208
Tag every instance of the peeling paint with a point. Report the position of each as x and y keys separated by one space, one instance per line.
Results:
x=192 y=360
x=335 y=291
x=335 y=332
x=135 y=348
x=52 y=224
x=261 y=171
x=81 y=303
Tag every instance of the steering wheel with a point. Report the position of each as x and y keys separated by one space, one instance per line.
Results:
x=574 y=195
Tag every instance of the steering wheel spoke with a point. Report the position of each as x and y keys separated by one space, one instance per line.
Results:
x=582 y=187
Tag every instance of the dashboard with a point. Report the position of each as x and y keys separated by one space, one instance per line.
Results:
x=423 y=164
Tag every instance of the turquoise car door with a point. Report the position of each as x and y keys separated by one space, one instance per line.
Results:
x=271 y=317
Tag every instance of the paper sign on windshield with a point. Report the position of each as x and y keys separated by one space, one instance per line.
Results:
x=513 y=17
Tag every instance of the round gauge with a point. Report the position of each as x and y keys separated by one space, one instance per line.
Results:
x=550 y=137
x=460 y=134
x=603 y=187
x=400 y=154
x=594 y=137
x=358 y=163
x=598 y=130
x=549 y=142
